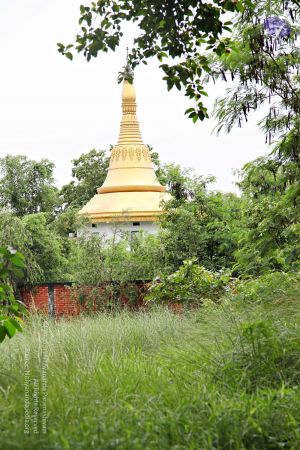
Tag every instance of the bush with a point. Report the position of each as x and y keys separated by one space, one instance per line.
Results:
x=189 y=285
x=11 y=309
x=261 y=353
x=269 y=288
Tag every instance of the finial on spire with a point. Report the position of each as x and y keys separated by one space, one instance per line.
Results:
x=127 y=72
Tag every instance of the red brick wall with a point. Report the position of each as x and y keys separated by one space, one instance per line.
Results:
x=36 y=298
x=65 y=300
x=65 y=303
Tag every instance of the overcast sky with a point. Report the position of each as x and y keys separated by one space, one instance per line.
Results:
x=57 y=109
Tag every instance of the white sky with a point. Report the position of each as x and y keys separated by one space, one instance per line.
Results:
x=53 y=108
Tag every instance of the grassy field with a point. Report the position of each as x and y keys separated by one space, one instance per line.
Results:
x=223 y=377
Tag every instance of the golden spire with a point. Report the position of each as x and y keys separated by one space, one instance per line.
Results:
x=130 y=168
x=130 y=128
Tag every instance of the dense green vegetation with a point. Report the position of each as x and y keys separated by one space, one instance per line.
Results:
x=247 y=235
x=11 y=309
x=263 y=66
x=219 y=377
x=88 y=172
x=212 y=360
x=26 y=186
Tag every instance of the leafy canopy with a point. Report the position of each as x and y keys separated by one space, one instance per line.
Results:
x=168 y=30
x=263 y=72
x=89 y=172
x=13 y=233
x=198 y=223
x=26 y=186
x=46 y=246
x=191 y=284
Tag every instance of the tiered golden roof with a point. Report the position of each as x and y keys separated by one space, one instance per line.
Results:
x=131 y=191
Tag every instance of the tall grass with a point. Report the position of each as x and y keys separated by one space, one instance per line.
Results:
x=221 y=377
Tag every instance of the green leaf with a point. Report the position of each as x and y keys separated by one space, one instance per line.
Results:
x=178 y=85
x=3 y=318
x=69 y=56
x=17 y=261
x=240 y=7
x=16 y=324
x=189 y=110
x=2 y=333
x=162 y=24
x=10 y=328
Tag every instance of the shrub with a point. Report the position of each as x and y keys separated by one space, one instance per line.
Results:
x=11 y=310
x=269 y=288
x=189 y=285
x=261 y=353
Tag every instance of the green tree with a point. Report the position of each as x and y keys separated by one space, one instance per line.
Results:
x=269 y=237
x=46 y=246
x=66 y=222
x=106 y=270
x=89 y=172
x=13 y=233
x=26 y=186
x=41 y=246
x=199 y=224
x=263 y=71
x=264 y=66
x=182 y=182
x=168 y=29
x=95 y=260
x=64 y=227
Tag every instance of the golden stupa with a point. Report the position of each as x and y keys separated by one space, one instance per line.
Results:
x=131 y=191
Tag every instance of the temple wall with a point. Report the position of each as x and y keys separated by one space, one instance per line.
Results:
x=109 y=229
